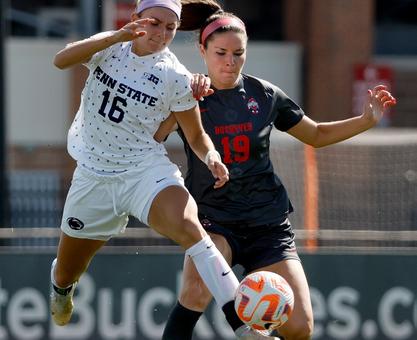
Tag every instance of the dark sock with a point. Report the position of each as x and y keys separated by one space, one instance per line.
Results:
x=181 y=323
x=62 y=291
x=231 y=316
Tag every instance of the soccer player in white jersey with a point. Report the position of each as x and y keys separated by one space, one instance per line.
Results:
x=134 y=83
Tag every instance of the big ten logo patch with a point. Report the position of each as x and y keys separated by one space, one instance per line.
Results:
x=149 y=76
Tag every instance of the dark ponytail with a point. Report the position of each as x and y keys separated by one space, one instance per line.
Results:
x=195 y=13
x=198 y=14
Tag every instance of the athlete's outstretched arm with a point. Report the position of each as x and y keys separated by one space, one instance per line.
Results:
x=81 y=51
x=321 y=134
x=201 y=144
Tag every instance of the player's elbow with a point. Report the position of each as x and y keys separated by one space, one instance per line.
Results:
x=320 y=138
x=62 y=60
x=317 y=144
x=59 y=62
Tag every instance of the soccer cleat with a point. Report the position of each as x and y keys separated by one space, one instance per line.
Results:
x=61 y=301
x=246 y=333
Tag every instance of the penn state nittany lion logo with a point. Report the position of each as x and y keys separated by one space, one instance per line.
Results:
x=253 y=106
x=75 y=223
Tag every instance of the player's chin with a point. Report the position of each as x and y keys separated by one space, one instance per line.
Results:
x=230 y=77
x=155 y=46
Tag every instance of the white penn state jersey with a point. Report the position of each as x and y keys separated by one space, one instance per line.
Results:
x=123 y=102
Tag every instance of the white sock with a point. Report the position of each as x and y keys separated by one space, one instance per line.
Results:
x=214 y=270
x=53 y=273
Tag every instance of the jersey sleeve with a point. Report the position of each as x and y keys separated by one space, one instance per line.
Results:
x=181 y=94
x=288 y=113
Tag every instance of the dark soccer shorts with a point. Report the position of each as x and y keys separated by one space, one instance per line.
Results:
x=256 y=247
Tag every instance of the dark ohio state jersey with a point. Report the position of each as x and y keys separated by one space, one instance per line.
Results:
x=239 y=122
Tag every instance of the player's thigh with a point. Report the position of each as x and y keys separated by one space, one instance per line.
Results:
x=302 y=316
x=91 y=209
x=194 y=294
x=146 y=185
x=173 y=213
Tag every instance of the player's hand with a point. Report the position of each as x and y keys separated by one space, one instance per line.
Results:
x=200 y=85
x=133 y=29
x=218 y=169
x=377 y=101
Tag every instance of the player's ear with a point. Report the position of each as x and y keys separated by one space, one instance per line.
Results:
x=202 y=51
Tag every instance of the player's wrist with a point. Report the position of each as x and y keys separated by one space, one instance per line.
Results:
x=115 y=36
x=210 y=154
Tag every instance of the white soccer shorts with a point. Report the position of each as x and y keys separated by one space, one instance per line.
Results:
x=98 y=206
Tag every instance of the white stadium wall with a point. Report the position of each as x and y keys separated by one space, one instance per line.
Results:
x=37 y=93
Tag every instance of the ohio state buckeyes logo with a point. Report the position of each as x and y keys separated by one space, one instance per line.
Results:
x=253 y=106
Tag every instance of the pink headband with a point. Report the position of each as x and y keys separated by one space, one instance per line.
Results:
x=173 y=5
x=221 y=22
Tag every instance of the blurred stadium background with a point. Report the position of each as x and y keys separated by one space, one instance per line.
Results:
x=355 y=203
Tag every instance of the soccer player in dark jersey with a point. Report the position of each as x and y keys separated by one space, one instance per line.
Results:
x=248 y=217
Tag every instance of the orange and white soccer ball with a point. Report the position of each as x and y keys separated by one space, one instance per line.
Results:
x=264 y=300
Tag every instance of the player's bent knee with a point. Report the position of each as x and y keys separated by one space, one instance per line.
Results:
x=303 y=334
x=307 y=329
x=299 y=331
